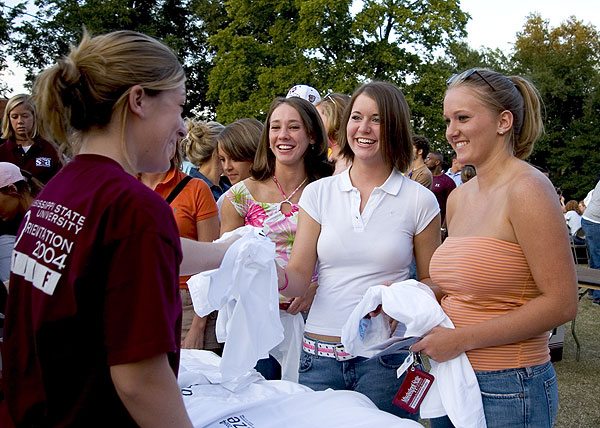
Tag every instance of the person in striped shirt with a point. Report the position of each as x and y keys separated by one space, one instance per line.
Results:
x=506 y=267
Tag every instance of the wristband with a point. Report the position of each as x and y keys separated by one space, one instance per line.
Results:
x=286 y=282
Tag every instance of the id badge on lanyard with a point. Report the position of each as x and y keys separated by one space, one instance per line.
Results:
x=415 y=385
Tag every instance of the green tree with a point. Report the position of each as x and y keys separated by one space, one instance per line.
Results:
x=425 y=95
x=269 y=46
x=7 y=18
x=426 y=91
x=563 y=64
x=395 y=37
x=257 y=57
x=325 y=34
x=39 y=42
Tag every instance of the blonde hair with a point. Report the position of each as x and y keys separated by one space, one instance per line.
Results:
x=91 y=84
x=7 y=131
x=240 y=139
x=467 y=172
x=333 y=107
x=513 y=93
x=201 y=141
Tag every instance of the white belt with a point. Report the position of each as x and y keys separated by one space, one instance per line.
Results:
x=321 y=349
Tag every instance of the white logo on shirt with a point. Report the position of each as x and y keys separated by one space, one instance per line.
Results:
x=46 y=162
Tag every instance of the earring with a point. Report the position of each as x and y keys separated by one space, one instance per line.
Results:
x=501 y=132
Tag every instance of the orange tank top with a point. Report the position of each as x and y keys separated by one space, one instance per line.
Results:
x=484 y=278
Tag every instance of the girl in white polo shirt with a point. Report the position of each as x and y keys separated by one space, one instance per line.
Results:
x=362 y=226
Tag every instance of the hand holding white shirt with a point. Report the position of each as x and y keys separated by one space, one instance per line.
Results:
x=455 y=391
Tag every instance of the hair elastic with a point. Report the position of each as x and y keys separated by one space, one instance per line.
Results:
x=286 y=281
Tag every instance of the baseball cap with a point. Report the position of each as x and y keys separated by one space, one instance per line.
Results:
x=9 y=174
x=304 y=91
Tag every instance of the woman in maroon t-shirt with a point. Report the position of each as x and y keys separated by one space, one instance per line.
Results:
x=24 y=146
x=93 y=314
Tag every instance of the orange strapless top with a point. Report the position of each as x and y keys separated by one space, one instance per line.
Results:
x=484 y=278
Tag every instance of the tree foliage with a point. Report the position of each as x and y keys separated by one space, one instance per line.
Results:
x=240 y=54
x=269 y=46
x=258 y=49
x=7 y=17
x=426 y=91
x=563 y=64
x=37 y=43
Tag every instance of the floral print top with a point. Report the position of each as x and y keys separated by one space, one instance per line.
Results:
x=279 y=227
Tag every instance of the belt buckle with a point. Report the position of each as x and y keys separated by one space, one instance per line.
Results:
x=339 y=348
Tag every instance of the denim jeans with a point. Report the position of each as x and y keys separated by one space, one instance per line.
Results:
x=412 y=270
x=516 y=398
x=592 y=240
x=526 y=397
x=7 y=242
x=269 y=368
x=373 y=377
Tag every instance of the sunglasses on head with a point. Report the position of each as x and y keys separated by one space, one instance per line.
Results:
x=329 y=97
x=461 y=77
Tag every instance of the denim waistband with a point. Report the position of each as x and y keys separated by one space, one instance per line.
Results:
x=525 y=371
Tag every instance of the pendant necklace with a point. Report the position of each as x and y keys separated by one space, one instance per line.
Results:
x=286 y=199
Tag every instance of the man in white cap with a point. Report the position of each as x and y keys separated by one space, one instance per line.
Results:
x=304 y=91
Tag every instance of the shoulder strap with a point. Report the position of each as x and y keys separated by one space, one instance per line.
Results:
x=177 y=189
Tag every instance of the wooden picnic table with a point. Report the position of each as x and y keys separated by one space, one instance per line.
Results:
x=587 y=279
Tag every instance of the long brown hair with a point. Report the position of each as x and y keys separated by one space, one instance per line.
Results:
x=315 y=158
x=395 y=127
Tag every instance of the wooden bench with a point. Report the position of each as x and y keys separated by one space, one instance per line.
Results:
x=587 y=279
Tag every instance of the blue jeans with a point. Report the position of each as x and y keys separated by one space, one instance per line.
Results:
x=516 y=398
x=373 y=377
x=7 y=243
x=592 y=240
x=269 y=368
x=412 y=270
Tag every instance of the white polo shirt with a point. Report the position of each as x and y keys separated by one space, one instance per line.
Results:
x=592 y=212
x=356 y=251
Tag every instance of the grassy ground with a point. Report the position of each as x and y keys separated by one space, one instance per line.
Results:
x=579 y=381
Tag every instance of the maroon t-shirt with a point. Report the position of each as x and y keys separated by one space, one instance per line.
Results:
x=441 y=187
x=94 y=283
x=41 y=160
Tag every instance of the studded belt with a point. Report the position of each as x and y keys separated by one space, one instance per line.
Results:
x=321 y=349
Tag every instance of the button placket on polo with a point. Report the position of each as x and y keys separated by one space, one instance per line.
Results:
x=372 y=203
x=357 y=220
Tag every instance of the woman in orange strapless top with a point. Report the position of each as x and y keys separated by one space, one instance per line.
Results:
x=506 y=268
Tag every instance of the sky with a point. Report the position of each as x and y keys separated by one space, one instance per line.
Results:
x=493 y=24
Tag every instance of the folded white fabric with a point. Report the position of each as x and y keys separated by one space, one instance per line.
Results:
x=198 y=367
x=455 y=391
x=287 y=353
x=244 y=290
x=272 y=404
